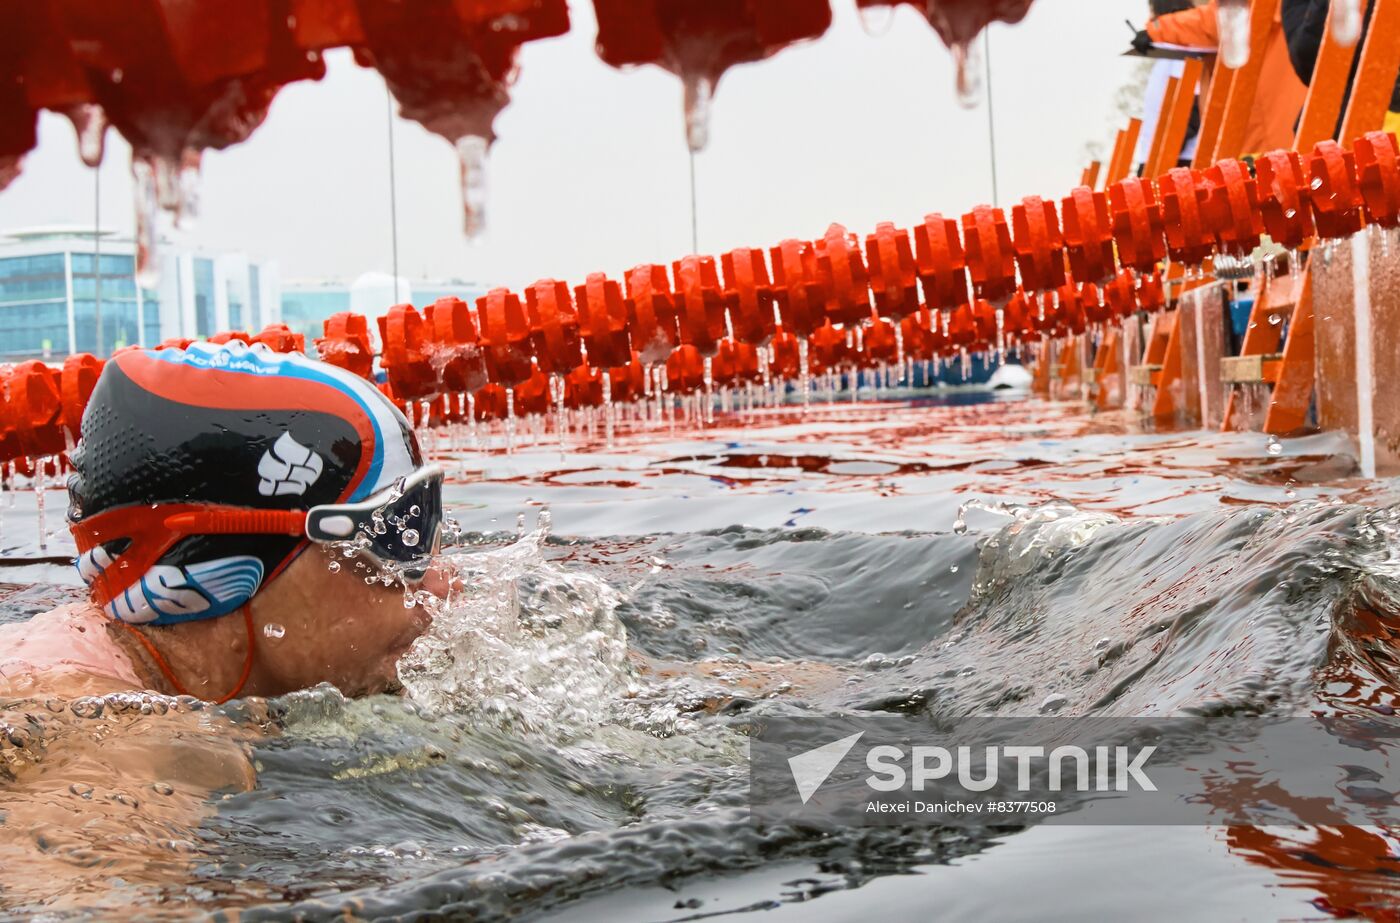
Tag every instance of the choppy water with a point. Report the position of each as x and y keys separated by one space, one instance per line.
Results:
x=573 y=746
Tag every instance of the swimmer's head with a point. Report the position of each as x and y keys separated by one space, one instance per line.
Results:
x=203 y=473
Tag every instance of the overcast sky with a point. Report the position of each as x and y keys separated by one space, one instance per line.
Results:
x=590 y=171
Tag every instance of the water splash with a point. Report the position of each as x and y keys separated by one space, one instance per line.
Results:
x=699 y=95
x=471 y=162
x=520 y=642
x=1346 y=22
x=967 y=61
x=1233 y=18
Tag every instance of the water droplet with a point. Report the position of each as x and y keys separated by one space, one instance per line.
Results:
x=1053 y=703
x=411 y=537
x=1275 y=319
x=333 y=567
x=471 y=160
x=1275 y=447
x=1288 y=489
x=273 y=630
x=1232 y=17
x=163 y=788
x=81 y=789
x=953 y=569
x=1316 y=183
x=960 y=525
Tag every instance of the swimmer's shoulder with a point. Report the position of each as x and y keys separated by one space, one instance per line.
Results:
x=67 y=650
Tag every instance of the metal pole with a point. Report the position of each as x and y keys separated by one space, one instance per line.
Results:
x=97 y=256
x=991 y=117
x=393 y=192
x=694 y=219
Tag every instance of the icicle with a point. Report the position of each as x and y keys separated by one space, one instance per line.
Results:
x=510 y=420
x=471 y=162
x=804 y=373
x=967 y=59
x=699 y=93
x=471 y=420
x=1346 y=22
x=187 y=191
x=40 y=482
x=1233 y=19
x=709 y=415
x=876 y=20
x=899 y=351
x=147 y=234
x=556 y=391
x=608 y=412
x=90 y=123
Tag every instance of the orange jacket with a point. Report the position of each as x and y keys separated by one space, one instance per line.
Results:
x=1274 y=117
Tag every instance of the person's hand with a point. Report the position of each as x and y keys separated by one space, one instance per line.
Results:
x=1142 y=41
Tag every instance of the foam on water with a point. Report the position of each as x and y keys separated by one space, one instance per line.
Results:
x=518 y=641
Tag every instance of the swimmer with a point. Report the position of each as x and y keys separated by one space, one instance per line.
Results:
x=246 y=523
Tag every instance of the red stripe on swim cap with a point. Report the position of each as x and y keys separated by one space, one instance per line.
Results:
x=225 y=390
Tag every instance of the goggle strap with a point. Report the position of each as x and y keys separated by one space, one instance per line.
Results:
x=232 y=521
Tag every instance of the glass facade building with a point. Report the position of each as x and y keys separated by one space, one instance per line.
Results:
x=307 y=305
x=56 y=289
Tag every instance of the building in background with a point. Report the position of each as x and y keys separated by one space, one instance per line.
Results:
x=307 y=304
x=49 y=293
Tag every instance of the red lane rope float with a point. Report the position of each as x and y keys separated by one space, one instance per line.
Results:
x=602 y=321
x=748 y=294
x=991 y=262
x=505 y=337
x=1137 y=224
x=1039 y=244
x=700 y=303
x=1088 y=235
x=1284 y=199
x=797 y=284
x=1182 y=193
x=894 y=276
x=553 y=327
x=454 y=346
x=843 y=270
x=1336 y=199
x=1378 y=170
x=941 y=262
x=347 y=344
x=652 y=313
x=843 y=300
x=1233 y=208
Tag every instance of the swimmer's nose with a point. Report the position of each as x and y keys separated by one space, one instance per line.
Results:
x=437 y=580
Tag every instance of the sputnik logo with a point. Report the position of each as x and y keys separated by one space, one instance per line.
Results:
x=811 y=769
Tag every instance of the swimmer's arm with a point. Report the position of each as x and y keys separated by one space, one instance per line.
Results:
x=87 y=800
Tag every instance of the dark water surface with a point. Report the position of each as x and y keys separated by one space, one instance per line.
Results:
x=573 y=744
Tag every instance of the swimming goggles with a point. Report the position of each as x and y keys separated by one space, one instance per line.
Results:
x=398 y=527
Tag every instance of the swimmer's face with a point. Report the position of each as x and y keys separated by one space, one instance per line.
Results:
x=335 y=627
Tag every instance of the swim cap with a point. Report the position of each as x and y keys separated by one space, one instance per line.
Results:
x=170 y=432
